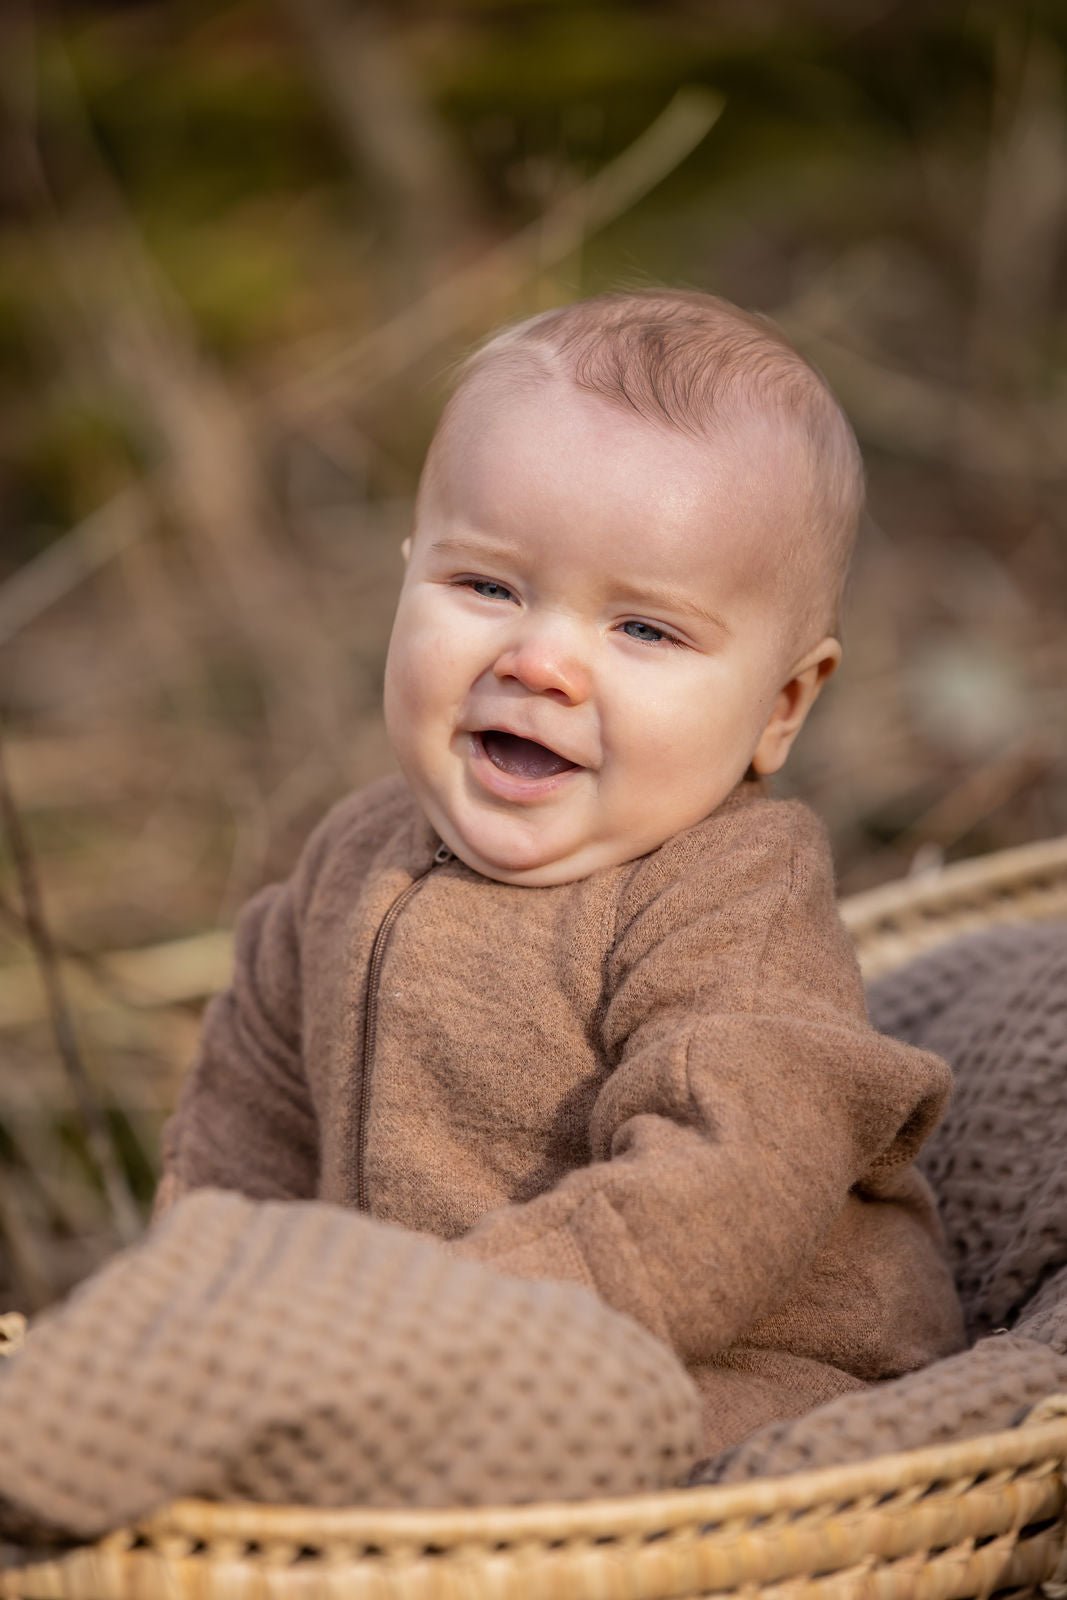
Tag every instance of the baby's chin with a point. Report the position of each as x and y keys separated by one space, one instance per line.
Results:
x=545 y=875
x=535 y=865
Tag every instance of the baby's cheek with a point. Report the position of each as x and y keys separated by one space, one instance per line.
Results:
x=423 y=649
x=668 y=732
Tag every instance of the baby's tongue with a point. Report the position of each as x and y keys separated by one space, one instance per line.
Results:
x=524 y=758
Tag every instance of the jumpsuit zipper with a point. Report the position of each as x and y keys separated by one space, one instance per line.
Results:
x=442 y=856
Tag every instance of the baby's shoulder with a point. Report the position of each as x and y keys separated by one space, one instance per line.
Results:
x=750 y=888
x=751 y=819
x=381 y=818
x=751 y=840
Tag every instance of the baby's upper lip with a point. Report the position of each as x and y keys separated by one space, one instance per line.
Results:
x=505 y=725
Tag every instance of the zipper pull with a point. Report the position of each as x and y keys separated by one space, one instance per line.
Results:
x=442 y=856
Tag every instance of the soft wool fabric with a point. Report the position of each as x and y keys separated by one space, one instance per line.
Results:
x=995 y=1005
x=658 y=1082
x=303 y=1354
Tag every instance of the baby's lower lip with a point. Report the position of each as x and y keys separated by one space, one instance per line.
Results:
x=512 y=785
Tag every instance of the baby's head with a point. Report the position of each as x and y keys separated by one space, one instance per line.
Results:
x=630 y=543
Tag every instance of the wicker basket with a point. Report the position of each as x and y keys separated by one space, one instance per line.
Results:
x=986 y=1516
x=900 y=920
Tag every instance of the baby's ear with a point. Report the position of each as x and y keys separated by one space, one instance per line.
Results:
x=405 y=549
x=795 y=699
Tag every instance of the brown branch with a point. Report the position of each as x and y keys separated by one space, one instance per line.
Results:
x=30 y=1282
x=390 y=131
x=98 y=1137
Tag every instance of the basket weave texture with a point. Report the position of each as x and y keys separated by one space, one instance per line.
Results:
x=893 y=924
x=966 y=1520
x=963 y=1520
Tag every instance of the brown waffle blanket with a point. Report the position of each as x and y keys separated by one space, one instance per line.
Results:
x=297 y=1352
x=995 y=1006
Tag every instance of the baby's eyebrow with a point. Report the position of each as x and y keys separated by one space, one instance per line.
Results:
x=658 y=598
x=468 y=546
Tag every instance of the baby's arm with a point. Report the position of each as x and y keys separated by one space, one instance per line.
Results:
x=752 y=1113
x=244 y=1120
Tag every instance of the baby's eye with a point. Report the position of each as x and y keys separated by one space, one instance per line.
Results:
x=489 y=588
x=645 y=633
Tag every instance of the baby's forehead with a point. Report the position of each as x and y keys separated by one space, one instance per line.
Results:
x=507 y=433
x=515 y=456
x=514 y=407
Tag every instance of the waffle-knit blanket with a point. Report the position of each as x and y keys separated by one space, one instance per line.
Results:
x=300 y=1353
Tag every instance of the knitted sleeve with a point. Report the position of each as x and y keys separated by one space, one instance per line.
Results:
x=753 y=1120
x=245 y=1119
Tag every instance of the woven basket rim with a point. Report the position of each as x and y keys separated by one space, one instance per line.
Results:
x=982 y=882
x=892 y=924
x=1041 y=1440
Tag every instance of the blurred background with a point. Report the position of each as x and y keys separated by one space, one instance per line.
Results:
x=244 y=243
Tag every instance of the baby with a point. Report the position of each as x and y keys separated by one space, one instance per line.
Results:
x=572 y=994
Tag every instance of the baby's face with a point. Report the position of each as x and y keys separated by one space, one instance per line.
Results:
x=589 y=649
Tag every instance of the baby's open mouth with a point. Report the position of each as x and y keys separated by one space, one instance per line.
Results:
x=523 y=758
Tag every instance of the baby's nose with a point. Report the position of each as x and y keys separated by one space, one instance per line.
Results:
x=546 y=664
